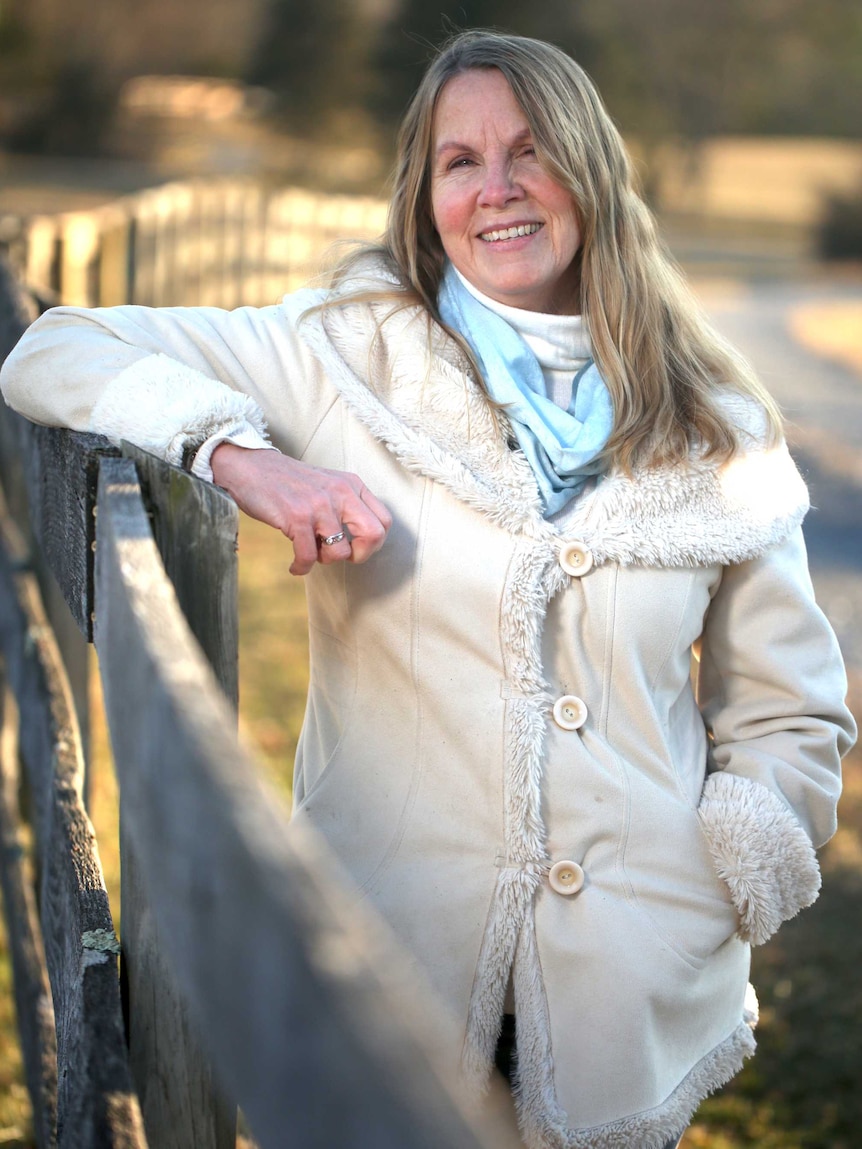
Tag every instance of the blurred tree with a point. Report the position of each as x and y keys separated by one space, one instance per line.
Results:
x=694 y=67
x=415 y=28
x=679 y=69
x=62 y=62
x=318 y=60
x=70 y=116
x=686 y=67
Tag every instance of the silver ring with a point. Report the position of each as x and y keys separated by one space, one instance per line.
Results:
x=330 y=540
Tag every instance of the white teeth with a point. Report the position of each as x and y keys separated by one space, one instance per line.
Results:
x=510 y=232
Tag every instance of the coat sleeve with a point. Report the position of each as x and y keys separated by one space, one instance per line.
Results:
x=771 y=687
x=167 y=378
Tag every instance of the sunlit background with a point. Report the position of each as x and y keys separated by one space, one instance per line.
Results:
x=740 y=111
x=744 y=117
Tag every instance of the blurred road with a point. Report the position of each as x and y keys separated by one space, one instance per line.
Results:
x=822 y=401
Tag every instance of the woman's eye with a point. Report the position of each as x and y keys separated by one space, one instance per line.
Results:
x=460 y=162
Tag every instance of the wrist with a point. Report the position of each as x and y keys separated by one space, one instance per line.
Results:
x=229 y=461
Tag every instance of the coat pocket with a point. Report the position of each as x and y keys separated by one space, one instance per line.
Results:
x=760 y=850
x=670 y=875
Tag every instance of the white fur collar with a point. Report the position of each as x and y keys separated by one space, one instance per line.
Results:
x=437 y=420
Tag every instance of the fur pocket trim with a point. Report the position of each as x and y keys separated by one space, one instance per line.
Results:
x=760 y=851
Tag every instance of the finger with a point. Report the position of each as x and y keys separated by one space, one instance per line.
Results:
x=331 y=548
x=367 y=530
x=304 y=550
x=376 y=507
x=367 y=520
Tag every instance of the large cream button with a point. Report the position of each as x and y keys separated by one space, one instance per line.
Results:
x=570 y=713
x=575 y=559
x=566 y=877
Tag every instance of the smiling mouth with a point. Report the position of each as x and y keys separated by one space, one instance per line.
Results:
x=509 y=232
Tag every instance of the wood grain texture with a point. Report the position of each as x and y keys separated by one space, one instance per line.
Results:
x=180 y=1102
x=17 y=309
x=95 y=1104
x=314 y=1019
x=195 y=528
x=16 y=313
x=33 y=1004
x=15 y=436
x=61 y=472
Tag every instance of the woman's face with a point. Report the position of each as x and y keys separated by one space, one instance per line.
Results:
x=506 y=225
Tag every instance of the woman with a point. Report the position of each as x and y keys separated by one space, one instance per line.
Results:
x=581 y=485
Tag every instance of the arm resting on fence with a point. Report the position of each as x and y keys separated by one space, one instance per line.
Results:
x=169 y=378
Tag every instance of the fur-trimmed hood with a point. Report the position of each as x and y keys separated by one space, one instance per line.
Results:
x=436 y=418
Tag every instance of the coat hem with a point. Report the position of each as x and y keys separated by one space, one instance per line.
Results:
x=651 y=1128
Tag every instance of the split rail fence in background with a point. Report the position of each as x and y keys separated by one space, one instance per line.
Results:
x=219 y=244
x=241 y=946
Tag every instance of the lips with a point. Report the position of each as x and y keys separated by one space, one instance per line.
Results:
x=510 y=232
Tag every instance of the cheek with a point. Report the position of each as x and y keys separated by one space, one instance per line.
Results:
x=570 y=232
x=560 y=203
x=449 y=213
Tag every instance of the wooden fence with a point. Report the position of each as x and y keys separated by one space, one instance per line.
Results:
x=218 y=244
x=242 y=949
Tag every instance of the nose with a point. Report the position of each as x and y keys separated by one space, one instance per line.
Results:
x=500 y=187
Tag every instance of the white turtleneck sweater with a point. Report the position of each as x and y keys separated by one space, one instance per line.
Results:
x=559 y=342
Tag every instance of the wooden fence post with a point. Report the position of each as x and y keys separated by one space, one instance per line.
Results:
x=195 y=527
x=33 y=1003
x=78 y=284
x=114 y=257
x=95 y=1106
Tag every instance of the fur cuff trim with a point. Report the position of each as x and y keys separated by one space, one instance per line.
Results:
x=760 y=851
x=161 y=406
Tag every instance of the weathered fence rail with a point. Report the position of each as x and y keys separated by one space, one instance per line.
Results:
x=238 y=939
x=72 y=1037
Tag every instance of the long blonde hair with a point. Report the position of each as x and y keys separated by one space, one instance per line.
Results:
x=663 y=363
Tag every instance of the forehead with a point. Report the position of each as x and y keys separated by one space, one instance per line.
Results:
x=476 y=105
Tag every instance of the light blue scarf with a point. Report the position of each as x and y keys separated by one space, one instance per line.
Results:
x=561 y=446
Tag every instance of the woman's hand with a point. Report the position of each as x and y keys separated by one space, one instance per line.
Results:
x=308 y=504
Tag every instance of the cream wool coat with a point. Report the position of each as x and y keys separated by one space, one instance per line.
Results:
x=433 y=758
